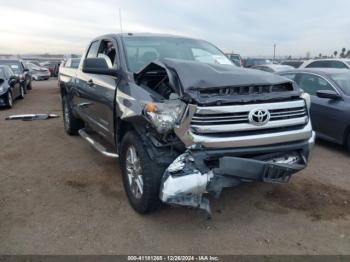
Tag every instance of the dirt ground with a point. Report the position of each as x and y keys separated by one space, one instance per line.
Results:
x=59 y=196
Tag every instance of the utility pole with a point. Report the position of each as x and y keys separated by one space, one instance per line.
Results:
x=274 y=52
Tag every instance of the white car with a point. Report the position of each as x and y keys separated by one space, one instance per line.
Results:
x=327 y=63
x=38 y=73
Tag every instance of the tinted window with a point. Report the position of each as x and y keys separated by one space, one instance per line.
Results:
x=289 y=76
x=294 y=64
x=312 y=83
x=93 y=50
x=264 y=68
x=320 y=64
x=255 y=62
x=343 y=80
x=338 y=64
x=108 y=51
x=75 y=63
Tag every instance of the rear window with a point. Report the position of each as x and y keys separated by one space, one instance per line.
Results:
x=75 y=63
x=294 y=64
x=320 y=64
x=343 y=80
x=327 y=64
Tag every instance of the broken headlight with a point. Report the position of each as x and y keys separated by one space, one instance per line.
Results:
x=164 y=116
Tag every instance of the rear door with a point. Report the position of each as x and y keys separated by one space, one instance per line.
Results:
x=81 y=93
x=101 y=90
x=324 y=112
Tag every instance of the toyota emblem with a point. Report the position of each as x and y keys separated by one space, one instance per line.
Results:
x=259 y=117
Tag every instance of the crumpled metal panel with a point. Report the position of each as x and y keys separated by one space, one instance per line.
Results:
x=183 y=184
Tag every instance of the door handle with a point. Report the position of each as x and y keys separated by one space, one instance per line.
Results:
x=90 y=83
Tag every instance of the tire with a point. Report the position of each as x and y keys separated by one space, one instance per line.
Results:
x=9 y=99
x=25 y=88
x=29 y=86
x=149 y=172
x=347 y=143
x=71 y=123
x=21 y=93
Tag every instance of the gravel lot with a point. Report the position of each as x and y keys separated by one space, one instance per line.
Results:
x=59 y=196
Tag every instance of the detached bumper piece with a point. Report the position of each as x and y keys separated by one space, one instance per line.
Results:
x=188 y=178
x=183 y=184
x=275 y=169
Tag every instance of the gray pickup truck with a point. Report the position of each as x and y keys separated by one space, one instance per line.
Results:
x=182 y=119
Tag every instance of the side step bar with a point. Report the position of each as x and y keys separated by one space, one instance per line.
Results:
x=95 y=144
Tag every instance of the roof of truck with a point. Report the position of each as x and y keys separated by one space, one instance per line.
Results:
x=142 y=35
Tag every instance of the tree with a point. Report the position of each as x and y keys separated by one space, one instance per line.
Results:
x=320 y=55
x=342 y=55
x=335 y=53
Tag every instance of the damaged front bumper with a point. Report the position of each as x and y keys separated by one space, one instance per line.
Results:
x=197 y=172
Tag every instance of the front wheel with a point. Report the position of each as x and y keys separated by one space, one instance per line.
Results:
x=21 y=92
x=9 y=100
x=348 y=142
x=29 y=85
x=141 y=176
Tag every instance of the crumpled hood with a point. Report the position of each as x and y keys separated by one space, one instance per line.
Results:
x=190 y=77
x=195 y=75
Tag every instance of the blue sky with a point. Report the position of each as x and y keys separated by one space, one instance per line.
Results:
x=249 y=27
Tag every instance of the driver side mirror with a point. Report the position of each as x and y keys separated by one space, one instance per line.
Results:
x=98 y=66
x=330 y=94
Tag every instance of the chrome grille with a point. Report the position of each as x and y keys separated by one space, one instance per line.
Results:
x=247 y=90
x=224 y=119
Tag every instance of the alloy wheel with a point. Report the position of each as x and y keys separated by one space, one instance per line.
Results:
x=134 y=172
x=66 y=115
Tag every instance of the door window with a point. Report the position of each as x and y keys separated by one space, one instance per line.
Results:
x=312 y=83
x=93 y=50
x=108 y=51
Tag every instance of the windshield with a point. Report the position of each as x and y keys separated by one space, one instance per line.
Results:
x=15 y=66
x=33 y=67
x=141 y=51
x=343 y=80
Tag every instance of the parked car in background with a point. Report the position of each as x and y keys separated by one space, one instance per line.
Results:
x=293 y=63
x=330 y=101
x=53 y=66
x=236 y=59
x=38 y=72
x=327 y=63
x=250 y=62
x=20 y=70
x=71 y=63
x=10 y=87
x=272 y=68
